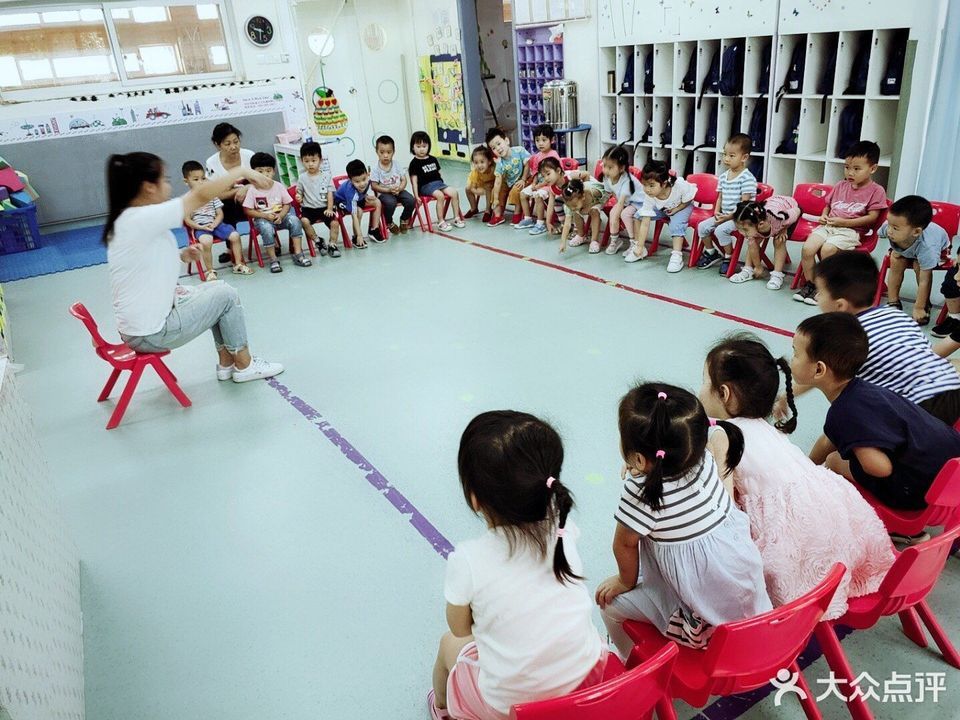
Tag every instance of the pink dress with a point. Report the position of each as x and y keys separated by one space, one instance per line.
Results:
x=804 y=518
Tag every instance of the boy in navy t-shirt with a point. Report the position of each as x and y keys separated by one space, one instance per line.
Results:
x=885 y=443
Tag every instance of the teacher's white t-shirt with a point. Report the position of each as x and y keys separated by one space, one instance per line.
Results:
x=215 y=167
x=144 y=263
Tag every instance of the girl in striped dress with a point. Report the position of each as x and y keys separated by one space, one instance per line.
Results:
x=677 y=526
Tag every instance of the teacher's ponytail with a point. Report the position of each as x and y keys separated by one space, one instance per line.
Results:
x=125 y=175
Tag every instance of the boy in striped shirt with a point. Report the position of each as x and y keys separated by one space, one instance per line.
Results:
x=735 y=185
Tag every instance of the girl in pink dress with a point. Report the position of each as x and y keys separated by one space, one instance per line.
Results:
x=803 y=517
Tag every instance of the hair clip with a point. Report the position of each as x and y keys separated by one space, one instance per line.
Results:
x=661 y=454
x=561 y=532
x=550 y=481
x=661 y=395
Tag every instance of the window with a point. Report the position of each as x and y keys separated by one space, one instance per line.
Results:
x=107 y=44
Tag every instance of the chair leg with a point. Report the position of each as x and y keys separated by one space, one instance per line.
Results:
x=912 y=628
x=108 y=388
x=696 y=247
x=837 y=660
x=939 y=635
x=798 y=279
x=665 y=709
x=125 y=396
x=655 y=243
x=170 y=381
x=882 y=279
x=808 y=701
x=735 y=257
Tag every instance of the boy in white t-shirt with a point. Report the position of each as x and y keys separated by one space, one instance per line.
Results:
x=389 y=181
x=315 y=195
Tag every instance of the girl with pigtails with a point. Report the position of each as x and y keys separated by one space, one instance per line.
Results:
x=803 y=517
x=772 y=219
x=518 y=611
x=686 y=561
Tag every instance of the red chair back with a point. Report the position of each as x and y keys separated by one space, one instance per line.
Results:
x=943 y=497
x=598 y=170
x=744 y=655
x=79 y=311
x=706 y=188
x=871 y=235
x=339 y=180
x=636 y=172
x=915 y=572
x=947 y=216
x=812 y=198
x=764 y=192
x=568 y=164
x=292 y=192
x=629 y=696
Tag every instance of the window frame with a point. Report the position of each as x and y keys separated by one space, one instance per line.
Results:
x=124 y=83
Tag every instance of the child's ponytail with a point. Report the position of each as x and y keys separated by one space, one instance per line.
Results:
x=563 y=505
x=735 y=444
x=125 y=176
x=790 y=424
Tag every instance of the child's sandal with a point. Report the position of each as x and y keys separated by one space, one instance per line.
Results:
x=242 y=269
x=212 y=275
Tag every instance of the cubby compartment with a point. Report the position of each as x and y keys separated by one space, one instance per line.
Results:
x=663 y=68
x=624 y=120
x=706 y=49
x=679 y=162
x=746 y=117
x=835 y=141
x=608 y=119
x=755 y=82
x=783 y=125
x=812 y=142
x=684 y=122
x=809 y=171
x=735 y=60
x=609 y=84
x=661 y=153
x=884 y=44
x=833 y=172
x=790 y=49
x=624 y=57
x=879 y=124
x=780 y=175
x=643 y=118
x=640 y=54
x=819 y=77
x=853 y=45
x=705 y=161
x=684 y=53
x=729 y=110
x=662 y=116
x=707 y=120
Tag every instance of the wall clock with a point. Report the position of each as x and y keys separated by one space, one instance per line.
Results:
x=259 y=30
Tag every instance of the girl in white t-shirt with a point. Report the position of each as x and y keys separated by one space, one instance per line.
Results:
x=619 y=182
x=153 y=311
x=517 y=608
x=665 y=197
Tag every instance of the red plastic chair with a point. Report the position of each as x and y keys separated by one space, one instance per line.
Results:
x=764 y=192
x=120 y=357
x=347 y=242
x=868 y=241
x=622 y=696
x=295 y=206
x=943 y=504
x=704 y=204
x=568 y=164
x=422 y=210
x=903 y=592
x=947 y=216
x=746 y=654
x=192 y=240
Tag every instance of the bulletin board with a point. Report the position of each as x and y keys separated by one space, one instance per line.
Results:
x=441 y=86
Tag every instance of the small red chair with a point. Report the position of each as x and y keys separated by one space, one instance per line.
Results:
x=746 y=654
x=120 y=357
x=347 y=242
x=903 y=592
x=422 y=210
x=868 y=240
x=947 y=216
x=568 y=164
x=704 y=204
x=621 y=696
x=295 y=207
x=192 y=240
x=943 y=504
x=812 y=199
x=764 y=192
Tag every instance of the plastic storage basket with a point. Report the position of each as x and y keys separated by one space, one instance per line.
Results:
x=19 y=230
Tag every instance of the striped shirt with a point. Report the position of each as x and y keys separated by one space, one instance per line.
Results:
x=732 y=189
x=693 y=505
x=900 y=359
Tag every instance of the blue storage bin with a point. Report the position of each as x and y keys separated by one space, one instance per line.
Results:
x=19 y=230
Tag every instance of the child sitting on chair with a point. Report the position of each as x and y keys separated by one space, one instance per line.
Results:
x=353 y=197
x=390 y=184
x=425 y=177
x=584 y=203
x=315 y=195
x=480 y=182
x=915 y=242
x=537 y=191
x=513 y=173
x=269 y=212
x=207 y=224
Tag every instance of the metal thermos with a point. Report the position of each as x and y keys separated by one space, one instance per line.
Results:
x=560 y=104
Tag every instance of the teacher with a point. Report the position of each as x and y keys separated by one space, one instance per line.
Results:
x=153 y=311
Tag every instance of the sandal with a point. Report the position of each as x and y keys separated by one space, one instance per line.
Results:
x=242 y=269
x=924 y=321
x=300 y=260
x=212 y=275
x=275 y=267
x=895 y=303
x=360 y=243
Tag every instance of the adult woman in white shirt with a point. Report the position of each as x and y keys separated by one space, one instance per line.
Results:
x=229 y=156
x=153 y=311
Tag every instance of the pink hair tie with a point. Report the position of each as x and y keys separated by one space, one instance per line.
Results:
x=661 y=396
x=561 y=532
x=550 y=481
x=661 y=454
x=671 y=172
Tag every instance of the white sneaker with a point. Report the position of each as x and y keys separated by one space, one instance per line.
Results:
x=776 y=280
x=745 y=275
x=258 y=369
x=614 y=247
x=225 y=373
x=594 y=247
x=631 y=255
x=576 y=241
x=676 y=262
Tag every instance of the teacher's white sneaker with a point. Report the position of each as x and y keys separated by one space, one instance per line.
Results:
x=225 y=373
x=258 y=369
